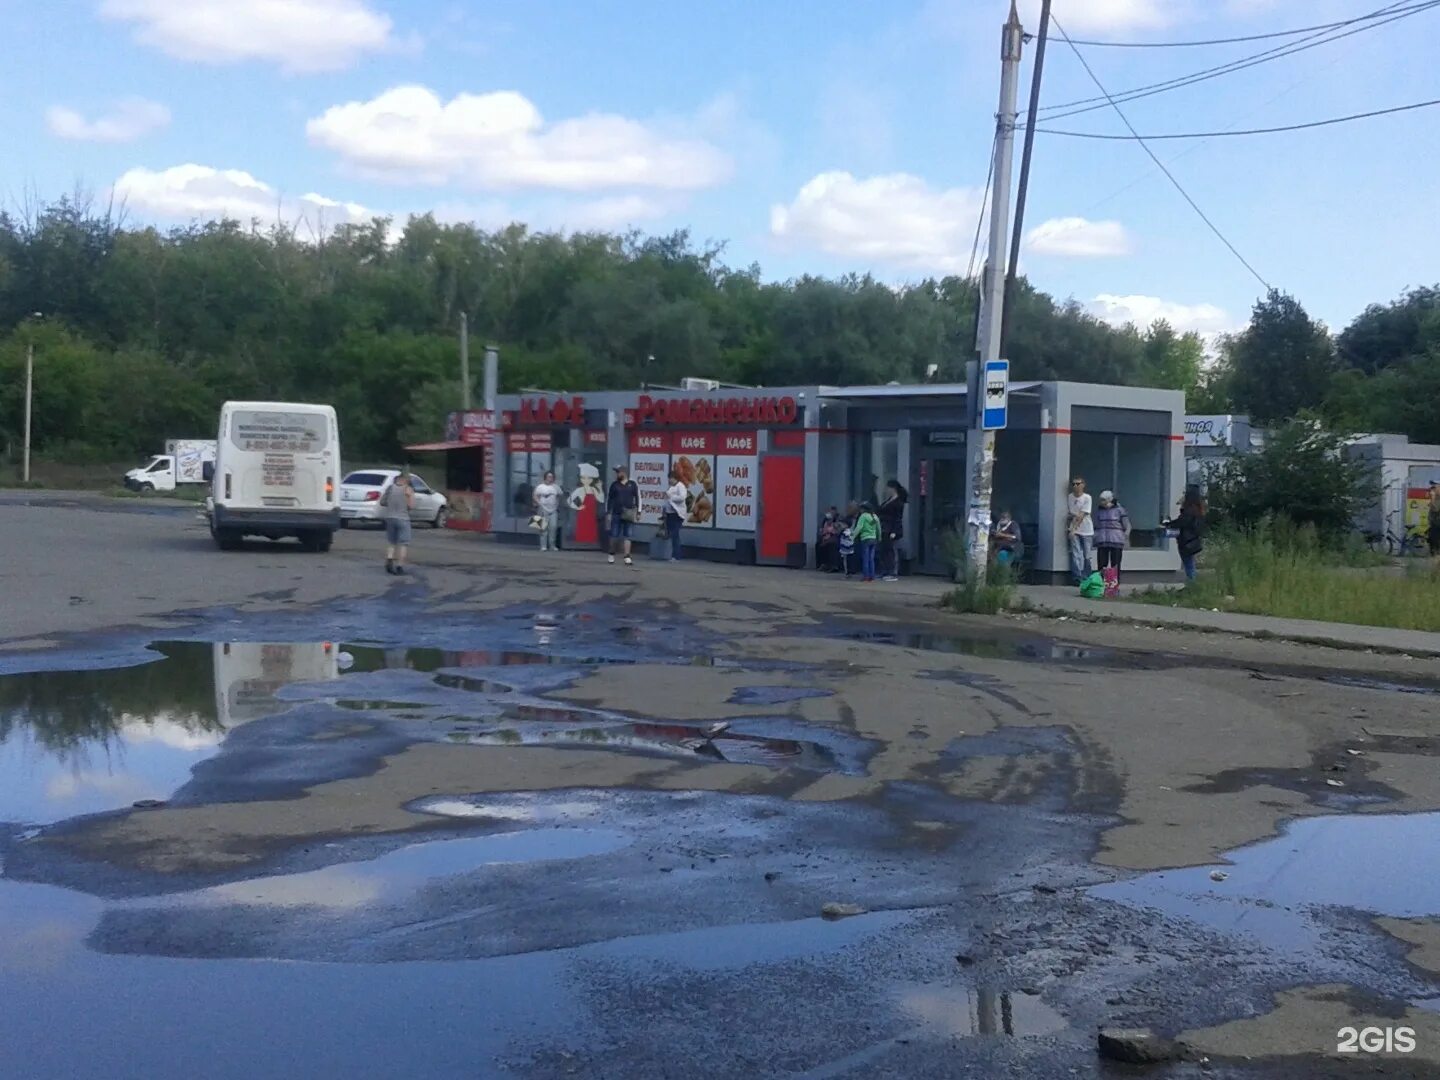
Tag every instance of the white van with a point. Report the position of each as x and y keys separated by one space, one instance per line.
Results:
x=276 y=467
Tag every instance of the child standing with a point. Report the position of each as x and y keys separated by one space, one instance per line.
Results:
x=867 y=537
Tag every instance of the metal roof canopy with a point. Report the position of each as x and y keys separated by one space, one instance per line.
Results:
x=427 y=447
x=909 y=395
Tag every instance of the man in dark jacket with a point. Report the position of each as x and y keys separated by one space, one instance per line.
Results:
x=624 y=503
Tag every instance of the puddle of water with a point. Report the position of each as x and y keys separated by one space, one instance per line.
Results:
x=953 y=1012
x=396 y=875
x=77 y=742
x=1383 y=864
x=983 y=647
x=775 y=695
x=837 y=753
x=1363 y=682
x=961 y=1011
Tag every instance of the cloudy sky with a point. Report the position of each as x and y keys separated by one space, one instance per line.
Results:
x=811 y=137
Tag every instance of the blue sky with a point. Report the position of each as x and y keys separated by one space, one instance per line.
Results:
x=811 y=137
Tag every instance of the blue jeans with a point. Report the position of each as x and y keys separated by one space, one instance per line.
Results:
x=1187 y=562
x=867 y=559
x=672 y=526
x=1082 y=562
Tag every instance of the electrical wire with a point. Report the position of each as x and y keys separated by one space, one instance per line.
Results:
x=1194 y=146
x=1245 y=131
x=1084 y=105
x=1154 y=157
x=984 y=200
x=1224 y=41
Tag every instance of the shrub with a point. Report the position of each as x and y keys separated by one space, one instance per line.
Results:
x=990 y=597
x=1301 y=476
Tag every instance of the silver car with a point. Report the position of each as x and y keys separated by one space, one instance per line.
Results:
x=360 y=499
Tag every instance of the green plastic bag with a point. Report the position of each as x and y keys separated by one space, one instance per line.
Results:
x=1093 y=587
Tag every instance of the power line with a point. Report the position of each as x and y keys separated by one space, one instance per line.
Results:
x=984 y=201
x=1153 y=157
x=1225 y=41
x=1245 y=131
x=1254 y=60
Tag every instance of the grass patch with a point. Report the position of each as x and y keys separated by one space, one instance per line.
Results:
x=994 y=595
x=1286 y=572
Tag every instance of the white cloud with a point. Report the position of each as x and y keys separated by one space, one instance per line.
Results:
x=299 y=35
x=127 y=120
x=896 y=219
x=499 y=141
x=1076 y=237
x=1205 y=319
x=199 y=192
x=1106 y=16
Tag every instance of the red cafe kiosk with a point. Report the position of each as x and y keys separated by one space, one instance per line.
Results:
x=469 y=449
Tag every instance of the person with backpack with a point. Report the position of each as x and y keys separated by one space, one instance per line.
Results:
x=1112 y=537
x=624 y=502
x=867 y=538
x=1189 y=526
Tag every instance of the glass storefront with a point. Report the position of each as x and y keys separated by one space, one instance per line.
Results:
x=1134 y=468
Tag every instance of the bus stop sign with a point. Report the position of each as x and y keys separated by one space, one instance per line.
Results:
x=996 y=406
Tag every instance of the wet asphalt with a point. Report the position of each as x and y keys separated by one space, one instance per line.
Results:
x=354 y=839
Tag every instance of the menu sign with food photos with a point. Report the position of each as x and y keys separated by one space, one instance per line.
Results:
x=737 y=477
x=693 y=457
x=650 y=469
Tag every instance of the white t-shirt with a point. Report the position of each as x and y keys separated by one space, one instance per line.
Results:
x=1081 y=505
x=547 y=497
x=676 y=494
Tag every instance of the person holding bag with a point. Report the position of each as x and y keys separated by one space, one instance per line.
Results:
x=676 y=510
x=624 y=502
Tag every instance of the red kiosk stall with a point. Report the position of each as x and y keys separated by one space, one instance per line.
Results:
x=469 y=449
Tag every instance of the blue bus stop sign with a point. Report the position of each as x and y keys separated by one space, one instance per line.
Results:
x=995 y=407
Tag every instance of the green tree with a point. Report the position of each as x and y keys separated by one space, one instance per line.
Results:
x=1301 y=475
x=1282 y=362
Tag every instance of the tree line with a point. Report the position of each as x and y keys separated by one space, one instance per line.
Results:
x=1380 y=374
x=141 y=333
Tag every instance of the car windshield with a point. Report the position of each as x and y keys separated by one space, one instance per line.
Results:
x=367 y=479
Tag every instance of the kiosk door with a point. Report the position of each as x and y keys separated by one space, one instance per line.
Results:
x=782 y=509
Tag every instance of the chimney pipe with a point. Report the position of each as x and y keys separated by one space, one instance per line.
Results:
x=492 y=375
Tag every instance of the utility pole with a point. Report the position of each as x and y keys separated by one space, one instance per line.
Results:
x=1024 y=188
x=29 y=389
x=464 y=361
x=980 y=446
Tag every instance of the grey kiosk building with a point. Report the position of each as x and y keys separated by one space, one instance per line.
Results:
x=764 y=464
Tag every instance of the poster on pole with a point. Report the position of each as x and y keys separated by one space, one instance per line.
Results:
x=737 y=476
x=649 y=468
x=693 y=457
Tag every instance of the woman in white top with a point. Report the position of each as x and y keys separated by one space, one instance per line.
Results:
x=676 y=511
x=546 y=500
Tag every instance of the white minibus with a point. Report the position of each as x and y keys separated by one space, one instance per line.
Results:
x=276 y=470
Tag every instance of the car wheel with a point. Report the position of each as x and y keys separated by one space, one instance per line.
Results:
x=147 y=488
x=226 y=539
x=441 y=517
x=344 y=523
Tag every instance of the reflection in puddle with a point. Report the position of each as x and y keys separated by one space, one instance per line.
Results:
x=961 y=1011
x=983 y=647
x=1384 y=864
x=394 y=876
